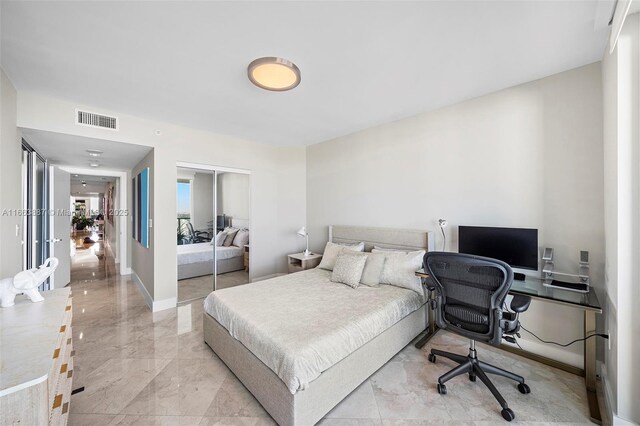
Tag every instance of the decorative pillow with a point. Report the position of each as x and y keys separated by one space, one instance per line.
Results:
x=372 y=269
x=399 y=269
x=241 y=238
x=219 y=238
x=331 y=252
x=231 y=234
x=348 y=268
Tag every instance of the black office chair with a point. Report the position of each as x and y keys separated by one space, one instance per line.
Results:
x=470 y=294
x=196 y=236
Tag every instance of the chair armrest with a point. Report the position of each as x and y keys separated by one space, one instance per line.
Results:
x=520 y=303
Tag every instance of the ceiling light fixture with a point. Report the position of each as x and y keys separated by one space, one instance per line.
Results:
x=94 y=164
x=94 y=152
x=275 y=74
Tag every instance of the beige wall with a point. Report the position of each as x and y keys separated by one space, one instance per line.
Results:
x=278 y=200
x=528 y=156
x=10 y=181
x=233 y=195
x=621 y=94
x=142 y=258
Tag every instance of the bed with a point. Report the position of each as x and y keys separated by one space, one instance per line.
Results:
x=195 y=260
x=299 y=373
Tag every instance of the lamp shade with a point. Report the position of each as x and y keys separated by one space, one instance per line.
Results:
x=302 y=232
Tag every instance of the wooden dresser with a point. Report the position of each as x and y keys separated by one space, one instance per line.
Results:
x=37 y=360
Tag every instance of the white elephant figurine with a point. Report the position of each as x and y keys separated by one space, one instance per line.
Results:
x=26 y=282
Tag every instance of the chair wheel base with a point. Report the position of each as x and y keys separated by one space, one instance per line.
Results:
x=472 y=377
x=442 y=389
x=524 y=388
x=508 y=414
x=432 y=358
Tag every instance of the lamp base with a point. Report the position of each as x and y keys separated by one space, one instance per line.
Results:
x=307 y=252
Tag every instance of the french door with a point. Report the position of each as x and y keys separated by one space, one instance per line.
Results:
x=35 y=197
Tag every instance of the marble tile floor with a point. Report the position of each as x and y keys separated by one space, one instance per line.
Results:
x=200 y=287
x=144 y=368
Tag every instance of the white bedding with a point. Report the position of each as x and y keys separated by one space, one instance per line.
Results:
x=203 y=252
x=299 y=325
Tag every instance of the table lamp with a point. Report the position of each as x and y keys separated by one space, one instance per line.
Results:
x=303 y=233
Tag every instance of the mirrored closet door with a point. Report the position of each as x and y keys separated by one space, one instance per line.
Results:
x=213 y=230
x=195 y=201
x=233 y=229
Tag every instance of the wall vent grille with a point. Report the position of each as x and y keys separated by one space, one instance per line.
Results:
x=96 y=120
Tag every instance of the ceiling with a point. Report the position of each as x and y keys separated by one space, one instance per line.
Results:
x=362 y=63
x=69 y=150
x=92 y=180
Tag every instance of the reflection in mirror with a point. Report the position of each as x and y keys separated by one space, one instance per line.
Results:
x=195 y=198
x=233 y=229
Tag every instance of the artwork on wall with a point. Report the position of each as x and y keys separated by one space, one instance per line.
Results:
x=140 y=207
x=109 y=204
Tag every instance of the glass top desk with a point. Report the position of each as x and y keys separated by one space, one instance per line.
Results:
x=534 y=288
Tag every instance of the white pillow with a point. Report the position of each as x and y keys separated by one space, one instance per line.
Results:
x=231 y=234
x=348 y=268
x=331 y=252
x=241 y=239
x=372 y=269
x=219 y=239
x=400 y=268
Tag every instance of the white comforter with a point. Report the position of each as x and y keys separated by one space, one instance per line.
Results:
x=299 y=325
x=203 y=252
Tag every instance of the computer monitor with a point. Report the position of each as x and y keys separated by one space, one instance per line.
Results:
x=220 y=222
x=516 y=246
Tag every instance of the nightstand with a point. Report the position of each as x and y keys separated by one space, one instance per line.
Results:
x=299 y=262
x=246 y=257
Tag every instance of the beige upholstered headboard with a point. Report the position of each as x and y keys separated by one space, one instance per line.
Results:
x=404 y=239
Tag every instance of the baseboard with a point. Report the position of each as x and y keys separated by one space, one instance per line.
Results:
x=549 y=351
x=157 y=305
x=606 y=389
x=147 y=297
x=161 y=305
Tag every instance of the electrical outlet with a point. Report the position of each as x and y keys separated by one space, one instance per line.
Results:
x=609 y=339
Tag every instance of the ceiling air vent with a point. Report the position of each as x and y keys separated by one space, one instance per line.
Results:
x=96 y=120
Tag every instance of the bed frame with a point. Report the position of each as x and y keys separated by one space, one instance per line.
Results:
x=308 y=406
x=199 y=269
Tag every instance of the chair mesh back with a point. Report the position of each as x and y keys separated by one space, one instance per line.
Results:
x=469 y=289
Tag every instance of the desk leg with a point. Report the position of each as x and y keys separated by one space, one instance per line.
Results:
x=590 y=365
x=431 y=328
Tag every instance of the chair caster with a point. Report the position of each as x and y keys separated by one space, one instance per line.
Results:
x=442 y=389
x=472 y=377
x=432 y=358
x=507 y=414
x=524 y=388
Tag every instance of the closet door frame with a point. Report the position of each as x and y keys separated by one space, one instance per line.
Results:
x=216 y=170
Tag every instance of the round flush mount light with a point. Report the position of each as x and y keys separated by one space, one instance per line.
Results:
x=276 y=74
x=94 y=152
x=94 y=164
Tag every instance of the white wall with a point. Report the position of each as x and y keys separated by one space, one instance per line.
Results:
x=202 y=200
x=278 y=200
x=233 y=195
x=621 y=90
x=10 y=180
x=528 y=156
